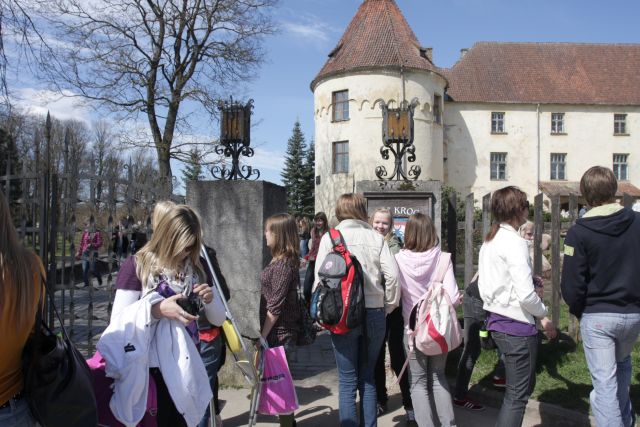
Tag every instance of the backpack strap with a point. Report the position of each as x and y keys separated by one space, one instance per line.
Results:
x=442 y=266
x=337 y=241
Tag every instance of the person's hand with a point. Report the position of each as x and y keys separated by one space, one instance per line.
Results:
x=549 y=328
x=538 y=286
x=170 y=309
x=204 y=292
x=303 y=263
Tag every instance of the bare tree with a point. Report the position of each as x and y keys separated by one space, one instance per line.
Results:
x=167 y=60
x=17 y=24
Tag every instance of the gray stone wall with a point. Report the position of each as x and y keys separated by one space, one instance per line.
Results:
x=233 y=216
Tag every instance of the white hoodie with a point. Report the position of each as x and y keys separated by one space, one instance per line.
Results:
x=416 y=271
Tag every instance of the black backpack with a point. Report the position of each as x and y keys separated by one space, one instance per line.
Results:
x=338 y=301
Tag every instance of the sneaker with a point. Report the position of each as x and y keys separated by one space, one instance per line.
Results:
x=411 y=419
x=499 y=382
x=382 y=409
x=468 y=404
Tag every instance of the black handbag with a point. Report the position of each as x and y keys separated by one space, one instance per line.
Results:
x=58 y=384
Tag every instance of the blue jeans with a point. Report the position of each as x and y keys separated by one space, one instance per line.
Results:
x=304 y=247
x=608 y=339
x=211 y=353
x=89 y=265
x=356 y=369
x=17 y=415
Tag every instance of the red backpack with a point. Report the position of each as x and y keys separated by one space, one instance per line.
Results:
x=338 y=300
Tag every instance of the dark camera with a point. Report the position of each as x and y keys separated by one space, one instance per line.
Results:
x=190 y=304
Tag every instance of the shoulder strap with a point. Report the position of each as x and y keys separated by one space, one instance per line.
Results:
x=337 y=241
x=442 y=266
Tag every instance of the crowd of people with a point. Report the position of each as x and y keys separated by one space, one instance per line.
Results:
x=167 y=312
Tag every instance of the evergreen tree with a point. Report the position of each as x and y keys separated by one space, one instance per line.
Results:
x=193 y=169
x=292 y=175
x=308 y=182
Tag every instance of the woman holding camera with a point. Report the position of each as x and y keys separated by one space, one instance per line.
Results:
x=169 y=264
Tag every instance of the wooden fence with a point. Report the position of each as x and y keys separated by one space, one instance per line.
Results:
x=471 y=233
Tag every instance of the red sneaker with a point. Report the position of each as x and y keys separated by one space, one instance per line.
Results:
x=468 y=404
x=499 y=382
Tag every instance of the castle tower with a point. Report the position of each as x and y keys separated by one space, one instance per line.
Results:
x=377 y=58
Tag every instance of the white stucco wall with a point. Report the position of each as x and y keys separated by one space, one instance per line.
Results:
x=363 y=130
x=589 y=141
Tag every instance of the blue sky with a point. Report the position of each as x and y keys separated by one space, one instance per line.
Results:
x=309 y=29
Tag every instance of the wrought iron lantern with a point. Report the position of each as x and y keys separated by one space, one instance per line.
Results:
x=235 y=141
x=397 y=138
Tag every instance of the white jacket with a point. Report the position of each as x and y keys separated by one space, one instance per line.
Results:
x=132 y=343
x=505 y=281
x=372 y=252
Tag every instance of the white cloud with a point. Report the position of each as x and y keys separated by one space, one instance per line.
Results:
x=315 y=32
x=267 y=160
x=63 y=106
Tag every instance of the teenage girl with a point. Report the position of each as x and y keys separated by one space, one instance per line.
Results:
x=279 y=307
x=320 y=226
x=417 y=263
x=382 y=222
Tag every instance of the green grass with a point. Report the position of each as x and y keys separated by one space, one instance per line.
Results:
x=562 y=374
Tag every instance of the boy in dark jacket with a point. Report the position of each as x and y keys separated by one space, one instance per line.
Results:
x=601 y=285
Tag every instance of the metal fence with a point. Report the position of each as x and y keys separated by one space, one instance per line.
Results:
x=50 y=211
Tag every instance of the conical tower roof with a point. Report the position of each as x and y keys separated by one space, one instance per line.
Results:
x=377 y=37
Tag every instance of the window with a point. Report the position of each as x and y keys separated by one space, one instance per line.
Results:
x=558 y=166
x=437 y=109
x=619 y=124
x=620 y=166
x=341 y=106
x=498 y=166
x=341 y=157
x=557 y=123
x=497 y=123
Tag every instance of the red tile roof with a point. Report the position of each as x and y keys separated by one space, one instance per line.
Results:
x=565 y=188
x=377 y=37
x=547 y=73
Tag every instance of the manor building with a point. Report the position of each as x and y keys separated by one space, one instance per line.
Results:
x=535 y=115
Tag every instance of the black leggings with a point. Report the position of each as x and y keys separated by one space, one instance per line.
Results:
x=168 y=415
x=394 y=336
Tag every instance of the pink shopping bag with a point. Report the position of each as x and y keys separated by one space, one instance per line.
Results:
x=278 y=394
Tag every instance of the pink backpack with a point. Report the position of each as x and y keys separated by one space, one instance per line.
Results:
x=433 y=324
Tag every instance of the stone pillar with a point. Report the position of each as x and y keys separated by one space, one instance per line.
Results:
x=233 y=215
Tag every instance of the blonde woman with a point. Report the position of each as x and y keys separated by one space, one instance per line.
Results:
x=279 y=307
x=160 y=210
x=382 y=222
x=169 y=264
x=20 y=289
